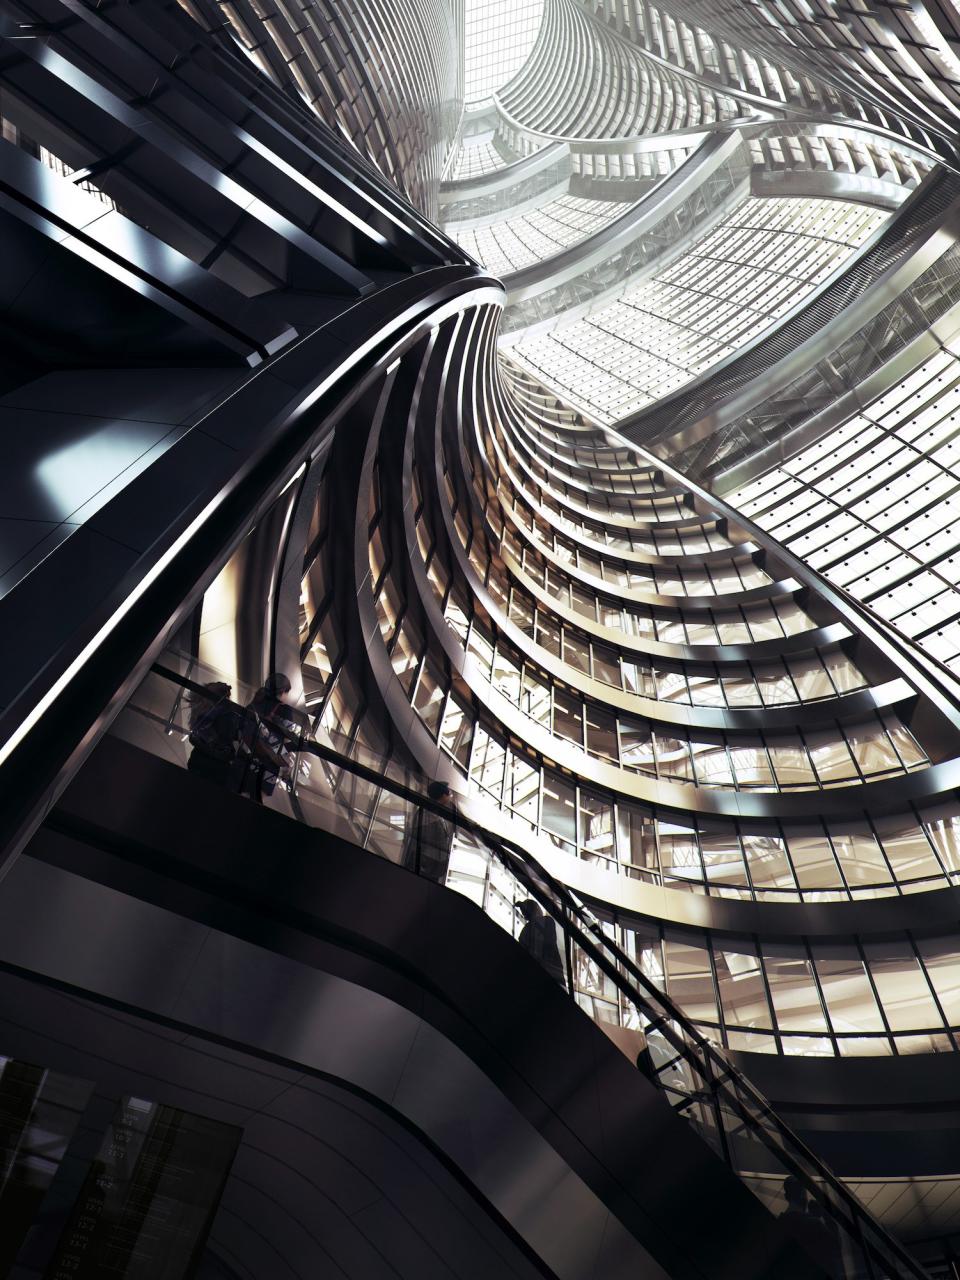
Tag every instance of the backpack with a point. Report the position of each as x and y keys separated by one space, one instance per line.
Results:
x=206 y=732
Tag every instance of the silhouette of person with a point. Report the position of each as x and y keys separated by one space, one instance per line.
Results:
x=429 y=840
x=278 y=727
x=805 y=1221
x=538 y=937
x=216 y=735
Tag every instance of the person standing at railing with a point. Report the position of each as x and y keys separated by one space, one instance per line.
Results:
x=538 y=937
x=280 y=725
x=805 y=1221
x=429 y=838
x=218 y=736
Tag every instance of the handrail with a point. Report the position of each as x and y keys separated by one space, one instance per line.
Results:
x=723 y=1087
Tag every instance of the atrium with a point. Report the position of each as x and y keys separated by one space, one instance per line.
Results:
x=480 y=603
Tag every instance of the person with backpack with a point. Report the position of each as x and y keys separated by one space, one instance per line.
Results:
x=217 y=736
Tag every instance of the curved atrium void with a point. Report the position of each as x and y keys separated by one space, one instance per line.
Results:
x=536 y=423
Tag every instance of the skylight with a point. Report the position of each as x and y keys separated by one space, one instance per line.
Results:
x=498 y=38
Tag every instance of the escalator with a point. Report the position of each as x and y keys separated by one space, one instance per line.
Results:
x=311 y=952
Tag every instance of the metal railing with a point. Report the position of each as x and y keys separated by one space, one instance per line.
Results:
x=377 y=804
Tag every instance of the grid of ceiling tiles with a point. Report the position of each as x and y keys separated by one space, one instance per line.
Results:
x=497 y=41
x=875 y=505
x=475 y=157
x=761 y=260
x=536 y=234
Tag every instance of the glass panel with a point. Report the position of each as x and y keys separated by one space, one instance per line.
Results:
x=864 y=1047
x=742 y=992
x=548 y=634
x=670 y=631
x=636 y=747
x=813 y=858
x=673 y=758
x=457 y=616
x=525 y=797
x=559 y=808
x=522 y=612
x=389 y=606
x=706 y=691
x=810 y=677
x=790 y=761
x=406 y=654
x=567 y=717
x=557 y=585
x=740 y=689
x=793 y=990
x=722 y=855
x=861 y=858
x=487 y=766
x=638 y=679
x=601 y=734
x=933 y=1043
x=481 y=649
x=679 y=852
x=535 y=698
x=576 y=651
x=596 y=825
x=751 y=766
x=712 y=764
x=584 y=603
x=872 y=749
x=901 y=985
x=774 y=684
x=636 y=838
x=700 y=631
x=768 y=862
x=906 y=846
x=506 y=675
x=942 y=959
x=830 y=756
x=606 y=664
x=850 y=1000
x=906 y=744
x=690 y=980
x=456 y=735
x=429 y=698
x=807 y=1046
x=843 y=673
x=764 y=623
x=672 y=686
x=644 y=945
x=943 y=827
